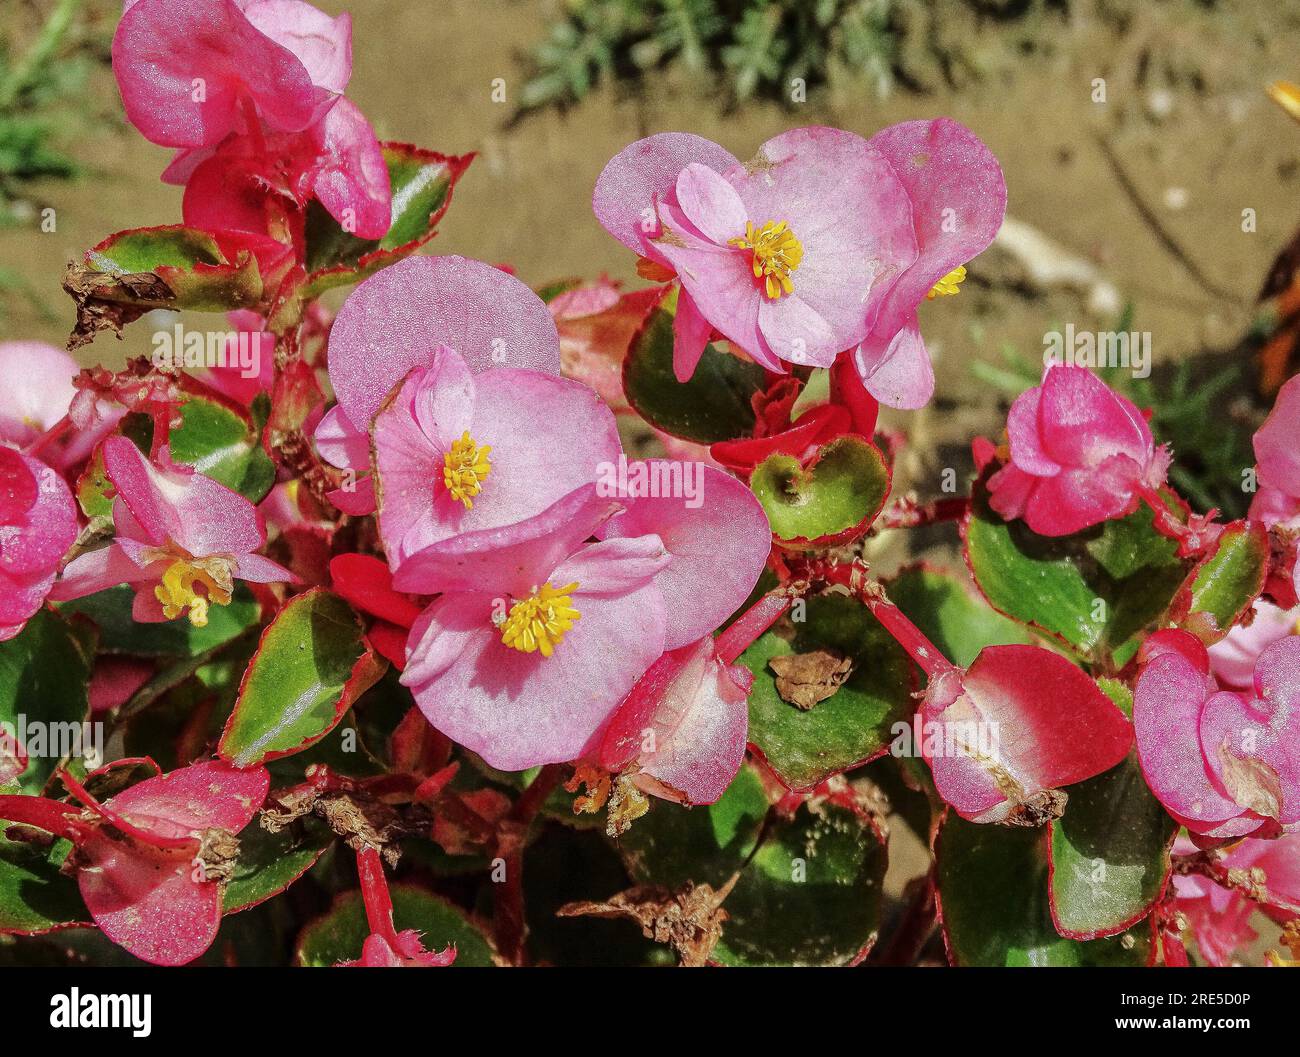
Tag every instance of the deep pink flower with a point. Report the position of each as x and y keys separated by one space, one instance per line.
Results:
x=399 y=319
x=193 y=71
x=1081 y=454
x=181 y=541
x=141 y=858
x=1021 y=720
x=38 y=523
x=458 y=453
x=789 y=257
x=1223 y=764
x=539 y=635
x=1277 y=502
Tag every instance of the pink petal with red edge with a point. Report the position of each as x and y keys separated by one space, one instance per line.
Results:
x=37 y=391
x=515 y=709
x=20 y=598
x=1023 y=437
x=18 y=488
x=400 y=317
x=320 y=43
x=95 y=571
x=512 y=559
x=351 y=177
x=1047 y=722
x=641 y=175
x=207 y=795
x=1081 y=421
x=719 y=538
x=340 y=443
x=850 y=213
x=691 y=333
x=41 y=523
x=1276 y=450
x=895 y=367
x=162 y=47
x=1079 y=499
x=958 y=197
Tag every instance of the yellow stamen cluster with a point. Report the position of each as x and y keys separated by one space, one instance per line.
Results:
x=464 y=469
x=949 y=285
x=777 y=253
x=178 y=591
x=539 y=621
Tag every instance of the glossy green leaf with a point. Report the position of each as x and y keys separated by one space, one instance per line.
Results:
x=993 y=895
x=34 y=896
x=269 y=863
x=94 y=491
x=714 y=405
x=851 y=726
x=44 y=675
x=312 y=663
x=1109 y=853
x=422 y=184
x=1095 y=590
x=843 y=489
x=110 y=612
x=338 y=935
x=221 y=444
x=951 y=616
x=1226 y=582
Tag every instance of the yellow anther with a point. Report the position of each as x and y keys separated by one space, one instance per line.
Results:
x=464 y=469
x=179 y=592
x=777 y=253
x=539 y=621
x=949 y=285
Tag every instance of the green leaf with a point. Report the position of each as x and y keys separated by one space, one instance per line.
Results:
x=312 y=663
x=221 y=444
x=1226 y=582
x=34 y=896
x=714 y=405
x=810 y=884
x=338 y=935
x=1109 y=853
x=1095 y=590
x=94 y=491
x=993 y=894
x=44 y=673
x=269 y=863
x=837 y=495
x=851 y=726
x=422 y=183
x=110 y=611
x=951 y=616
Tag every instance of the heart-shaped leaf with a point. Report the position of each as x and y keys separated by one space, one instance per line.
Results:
x=135 y=271
x=35 y=896
x=1109 y=853
x=312 y=663
x=1226 y=582
x=422 y=184
x=221 y=444
x=810 y=883
x=853 y=724
x=831 y=500
x=993 y=902
x=1094 y=590
x=714 y=405
x=951 y=616
x=44 y=675
x=119 y=632
x=339 y=934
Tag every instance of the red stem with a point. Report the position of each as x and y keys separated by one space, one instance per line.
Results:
x=375 y=894
x=751 y=624
x=510 y=926
x=49 y=815
x=910 y=515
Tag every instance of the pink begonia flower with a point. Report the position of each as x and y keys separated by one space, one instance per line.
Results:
x=181 y=541
x=398 y=320
x=539 y=635
x=1223 y=764
x=1277 y=502
x=37 y=389
x=141 y=857
x=959 y=198
x=38 y=523
x=1232 y=659
x=1220 y=917
x=338 y=162
x=192 y=71
x=1020 y=721
x=825 y=243
x=789 y=257
x=459 y=453
x=1081 y=454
